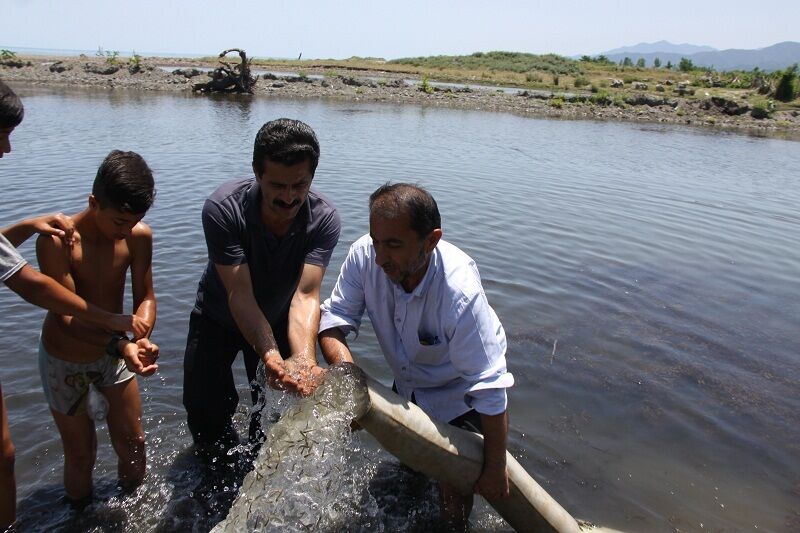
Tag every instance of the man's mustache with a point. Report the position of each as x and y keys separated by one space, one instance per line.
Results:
x=281 y=203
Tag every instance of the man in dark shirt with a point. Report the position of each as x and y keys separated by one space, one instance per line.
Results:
x=269 y=241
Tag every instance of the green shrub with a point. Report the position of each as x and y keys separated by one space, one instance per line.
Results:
x=762 y=109
x=557 y=102
x=134 y=63
x=7 y=54
x=580 y=81
x=533 y=77
x=686 y=65
x=785 y=90
x=601 y=98
x=555 y=80
x=425 y=86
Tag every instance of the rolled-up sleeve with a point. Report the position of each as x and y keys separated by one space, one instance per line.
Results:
x=346 y=304
x=478 y=345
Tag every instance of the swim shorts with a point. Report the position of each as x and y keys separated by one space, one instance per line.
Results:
x=66 y=384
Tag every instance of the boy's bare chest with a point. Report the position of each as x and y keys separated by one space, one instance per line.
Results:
x=100 y=265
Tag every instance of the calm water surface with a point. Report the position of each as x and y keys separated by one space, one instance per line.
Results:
x=647 y=278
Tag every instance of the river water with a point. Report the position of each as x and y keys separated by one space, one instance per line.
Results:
x=646 y=276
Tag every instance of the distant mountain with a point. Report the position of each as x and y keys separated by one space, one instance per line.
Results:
x=664 y=47
x=775 y=57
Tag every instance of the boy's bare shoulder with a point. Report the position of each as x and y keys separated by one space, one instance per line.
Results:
x=142 y=232
x=50 y=244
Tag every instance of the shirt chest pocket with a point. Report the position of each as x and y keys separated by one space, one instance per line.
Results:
x=430 y=352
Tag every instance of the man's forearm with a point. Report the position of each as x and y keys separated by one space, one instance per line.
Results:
x=253 y=325
x=302 y=328
x=334 y=346
x=495 y=434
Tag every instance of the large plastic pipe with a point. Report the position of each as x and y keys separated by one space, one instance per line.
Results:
x=455 y=456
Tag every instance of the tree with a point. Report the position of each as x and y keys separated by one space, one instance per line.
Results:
x=627 y=62
x=686 y=65
x=669 y=65
x=657 y=62
x=785 y=91
x=640 y=62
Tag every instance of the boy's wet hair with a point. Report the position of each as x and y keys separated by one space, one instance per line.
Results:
x=393 y=199
x=125 y=182
x=11 y=109
x=285 y=141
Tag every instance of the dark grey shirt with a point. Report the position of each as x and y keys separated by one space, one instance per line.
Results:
x=235 y=234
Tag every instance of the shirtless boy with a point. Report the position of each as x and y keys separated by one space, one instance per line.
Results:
x=110 y=238
x=37 y=289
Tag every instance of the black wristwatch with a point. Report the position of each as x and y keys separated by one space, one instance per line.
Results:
x=112 y=348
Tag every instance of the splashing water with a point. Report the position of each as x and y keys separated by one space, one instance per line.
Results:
x=302 y=470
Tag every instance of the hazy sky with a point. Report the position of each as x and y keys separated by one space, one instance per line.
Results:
x=343 y=28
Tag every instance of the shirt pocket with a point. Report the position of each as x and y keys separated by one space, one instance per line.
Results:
x=431 y=354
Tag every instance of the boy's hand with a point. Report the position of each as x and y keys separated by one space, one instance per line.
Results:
x=148 y=352
x=131 y=323
x=140 y=356
x=57 y=224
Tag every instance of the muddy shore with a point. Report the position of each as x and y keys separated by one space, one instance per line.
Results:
x=156 y=74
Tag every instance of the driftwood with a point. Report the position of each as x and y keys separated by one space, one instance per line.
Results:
x=229 y=79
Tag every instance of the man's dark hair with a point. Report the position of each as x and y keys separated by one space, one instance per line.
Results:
x=11 y=110
x=391 y=200
x=285 y=141
x=125 y=182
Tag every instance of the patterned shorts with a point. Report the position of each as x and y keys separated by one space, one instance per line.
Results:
x=66 y=384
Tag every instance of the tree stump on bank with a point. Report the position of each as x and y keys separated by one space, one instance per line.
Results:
x=230 y=79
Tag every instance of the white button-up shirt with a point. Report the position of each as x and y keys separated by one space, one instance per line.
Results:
x=443 y=341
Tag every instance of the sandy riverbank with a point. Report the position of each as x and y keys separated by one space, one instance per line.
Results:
x=378 y=86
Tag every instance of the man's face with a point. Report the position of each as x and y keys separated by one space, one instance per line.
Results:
x=283 y=189
x=399 y=250
x=5 y=140
x=113 y=223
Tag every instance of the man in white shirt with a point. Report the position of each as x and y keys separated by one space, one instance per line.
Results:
x=442 y=340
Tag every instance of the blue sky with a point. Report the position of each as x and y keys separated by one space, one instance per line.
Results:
x=390 y=29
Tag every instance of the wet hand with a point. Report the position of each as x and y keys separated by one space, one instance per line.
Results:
x=148 y=352
x=57 y=224
x=308 y=375
x=277 y=376
x=493 y=482
x=140 y=359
